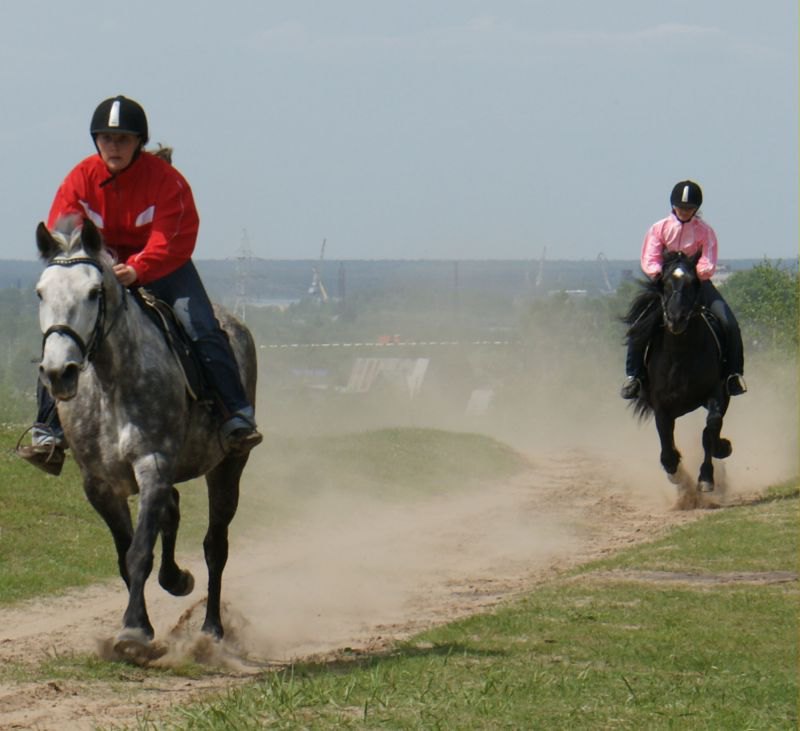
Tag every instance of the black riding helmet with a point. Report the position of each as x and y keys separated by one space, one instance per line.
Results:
x=686 y=194
x=119 y=114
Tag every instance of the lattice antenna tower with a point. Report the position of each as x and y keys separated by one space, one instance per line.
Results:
x=244 y=259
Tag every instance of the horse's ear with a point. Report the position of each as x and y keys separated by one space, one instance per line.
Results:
x=694 y=258
x=47 y=245
x=90 y=238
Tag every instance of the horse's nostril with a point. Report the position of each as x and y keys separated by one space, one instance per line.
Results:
x=62 y=383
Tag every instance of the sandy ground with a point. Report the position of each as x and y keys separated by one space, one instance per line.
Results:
x=358 y=575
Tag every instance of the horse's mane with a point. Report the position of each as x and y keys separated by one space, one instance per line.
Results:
x=644 y=314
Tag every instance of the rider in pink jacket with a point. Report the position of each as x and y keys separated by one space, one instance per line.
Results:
x=673 y=234
x=683 y=230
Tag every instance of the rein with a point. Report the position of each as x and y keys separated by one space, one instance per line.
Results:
x=99 y=331
x=696 y=307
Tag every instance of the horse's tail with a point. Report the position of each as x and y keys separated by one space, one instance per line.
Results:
x=641 y=407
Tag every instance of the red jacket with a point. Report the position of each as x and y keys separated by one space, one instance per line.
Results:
x=146 y=213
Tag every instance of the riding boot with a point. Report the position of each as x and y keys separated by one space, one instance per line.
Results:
x=631 y=388
x=46 y=450
x=735 y=384
x=634 y=370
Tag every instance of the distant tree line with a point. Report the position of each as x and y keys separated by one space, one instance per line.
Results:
x=765 y=300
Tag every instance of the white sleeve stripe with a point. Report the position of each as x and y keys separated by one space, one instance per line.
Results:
x=93 y=216
x=146 y=216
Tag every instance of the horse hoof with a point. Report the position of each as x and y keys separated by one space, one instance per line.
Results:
x=135 y=647
x=674 y=477
x=724 y=449
x=705 y=486
x=188 y=584
x=182 y=587
x=213 y=630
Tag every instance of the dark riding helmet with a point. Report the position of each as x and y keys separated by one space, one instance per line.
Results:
x=686 y=194
x=119 y=114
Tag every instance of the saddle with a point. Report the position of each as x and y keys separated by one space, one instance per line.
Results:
x=166 y=320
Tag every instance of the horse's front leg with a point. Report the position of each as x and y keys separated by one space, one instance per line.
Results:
x=670 y=456
x=155 y=485
x=113 y=508
x=713 y=444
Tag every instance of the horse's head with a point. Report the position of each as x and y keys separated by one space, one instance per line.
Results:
x=680 y=290
x=72 y=295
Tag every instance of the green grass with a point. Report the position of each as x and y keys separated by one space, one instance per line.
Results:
x=718 y=548
x=50 y=537
x=587 y=651
x=593 y=649
x=387 y=463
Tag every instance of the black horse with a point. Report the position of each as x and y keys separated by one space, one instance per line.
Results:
x=683 y=362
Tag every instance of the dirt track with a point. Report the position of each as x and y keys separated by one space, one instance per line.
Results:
x=360 y=575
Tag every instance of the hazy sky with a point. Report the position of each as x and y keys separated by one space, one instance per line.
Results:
x=432 y=129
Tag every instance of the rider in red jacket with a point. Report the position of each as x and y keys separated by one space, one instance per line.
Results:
x=146 y=213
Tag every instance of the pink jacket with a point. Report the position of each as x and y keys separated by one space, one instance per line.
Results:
x=671 y=235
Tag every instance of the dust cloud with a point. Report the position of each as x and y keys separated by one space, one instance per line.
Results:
x=350 y=569
x=322 y=560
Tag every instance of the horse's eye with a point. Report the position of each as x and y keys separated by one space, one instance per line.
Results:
x=94 y=294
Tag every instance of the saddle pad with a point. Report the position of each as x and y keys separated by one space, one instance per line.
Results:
x=178 y=340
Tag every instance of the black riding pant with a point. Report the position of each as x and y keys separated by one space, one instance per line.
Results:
x=184 y=292
x=734 y=352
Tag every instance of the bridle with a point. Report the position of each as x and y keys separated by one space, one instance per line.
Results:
x=666 y=297
x=99 y=331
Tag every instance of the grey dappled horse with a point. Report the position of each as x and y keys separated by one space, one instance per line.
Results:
x=123 y=403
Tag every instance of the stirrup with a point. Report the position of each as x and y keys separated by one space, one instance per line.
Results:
x=48 y=455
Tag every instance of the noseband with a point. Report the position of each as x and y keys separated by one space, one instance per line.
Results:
x=99 y=331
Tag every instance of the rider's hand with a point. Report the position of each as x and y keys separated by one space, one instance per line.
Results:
x=126 y=275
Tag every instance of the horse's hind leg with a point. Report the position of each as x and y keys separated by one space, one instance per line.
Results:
x=171 y=577
x=223 y=499
x=670 y=456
